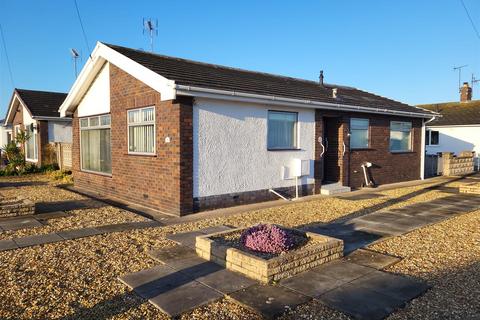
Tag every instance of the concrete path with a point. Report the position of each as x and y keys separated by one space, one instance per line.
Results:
x=40 y=239
x=29 y=221
x=354 y=285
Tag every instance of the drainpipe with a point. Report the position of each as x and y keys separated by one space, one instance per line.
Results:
x=423 y=148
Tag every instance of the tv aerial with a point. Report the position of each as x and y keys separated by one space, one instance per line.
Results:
x=151 y=28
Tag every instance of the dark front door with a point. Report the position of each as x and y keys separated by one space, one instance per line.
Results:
x=333 y=152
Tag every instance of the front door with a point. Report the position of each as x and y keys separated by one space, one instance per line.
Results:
x=332 y=127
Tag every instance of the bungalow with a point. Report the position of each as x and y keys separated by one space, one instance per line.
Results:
x=180 y=136
x=36 y=112
x=459 y=127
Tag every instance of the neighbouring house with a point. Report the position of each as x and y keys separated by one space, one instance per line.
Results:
x=37 y=113
x=180 y=136
x=5 y=133
x=458 y=129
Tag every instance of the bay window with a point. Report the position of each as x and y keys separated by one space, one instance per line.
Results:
x=282 y=130
x=358 y=133
x=141 y=131
x=95 y=140
x=400 y=136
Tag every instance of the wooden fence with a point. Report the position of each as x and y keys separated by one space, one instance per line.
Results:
x=64 y=156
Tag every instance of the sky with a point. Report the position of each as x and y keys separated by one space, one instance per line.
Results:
x=405 y=50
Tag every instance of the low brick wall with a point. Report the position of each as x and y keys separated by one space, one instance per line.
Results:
x=13 y=207
x=458 y=165
x=472 y=188
x=274 y=269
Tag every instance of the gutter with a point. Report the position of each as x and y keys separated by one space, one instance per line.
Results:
x=249 y=97
x=52 y=118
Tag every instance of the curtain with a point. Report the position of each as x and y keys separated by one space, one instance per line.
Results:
x=142 y=139
x=282 y=130
x=96 y=151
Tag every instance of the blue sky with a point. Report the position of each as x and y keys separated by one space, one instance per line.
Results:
x=401 y=49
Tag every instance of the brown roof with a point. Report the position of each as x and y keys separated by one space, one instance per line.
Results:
x=193 y=73
x=42 y=103
x=455 y=113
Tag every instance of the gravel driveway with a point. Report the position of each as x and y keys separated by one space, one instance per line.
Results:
x=77 y=279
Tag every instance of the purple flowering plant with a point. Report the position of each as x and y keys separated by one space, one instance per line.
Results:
x=267 y=238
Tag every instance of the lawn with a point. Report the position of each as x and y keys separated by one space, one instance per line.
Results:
x=77 y=279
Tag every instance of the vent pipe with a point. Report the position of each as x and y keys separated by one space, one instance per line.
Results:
x=334 y=93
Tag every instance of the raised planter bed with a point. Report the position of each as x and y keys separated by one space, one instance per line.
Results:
x=473 y=188
x=17 y=206
x=225 y=249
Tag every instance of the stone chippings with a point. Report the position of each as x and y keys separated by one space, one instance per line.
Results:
x=323 y=249
x=77 y=279
x=16 y=206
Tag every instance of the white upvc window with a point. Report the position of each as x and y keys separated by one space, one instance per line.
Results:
x=400 y=136
x=359 y=133
x=95 y=144
x=282 y=130
x=141 y=131
x=31 y=145
x=432 y=138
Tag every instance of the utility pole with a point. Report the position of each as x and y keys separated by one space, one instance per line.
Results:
x=459 y=68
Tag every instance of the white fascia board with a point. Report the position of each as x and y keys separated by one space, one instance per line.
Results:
x=453 y=126
x=65 y=119
x=99 y=56
x=281 y=101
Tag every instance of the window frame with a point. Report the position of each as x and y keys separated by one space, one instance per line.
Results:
x=143 y=123
x=428 y=138
x=368 y=134
x=34 y=135
x=296 y=138
x=410 y=136
x=88 y=127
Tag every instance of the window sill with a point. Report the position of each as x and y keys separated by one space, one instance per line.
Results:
x=362 y=149
x=284 y=149
x=137 y=154
x=401 y=152
x=108 y=175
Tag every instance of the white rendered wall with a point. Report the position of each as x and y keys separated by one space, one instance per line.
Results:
x=3 y=135
x=59 y=131
x=97 y=98
x=27 y=119
x=230 y=148
x=457 y=139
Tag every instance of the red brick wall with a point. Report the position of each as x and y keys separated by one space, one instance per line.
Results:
x=387 y=167
x=162 y=182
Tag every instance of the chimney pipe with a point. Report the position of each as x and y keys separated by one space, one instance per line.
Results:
x=321 y=77
x=465 y=93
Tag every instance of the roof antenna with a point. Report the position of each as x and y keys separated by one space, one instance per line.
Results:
x=474 y=80
x=459 y=68
x=152 y=28
x=75 y=56
x=320 y=78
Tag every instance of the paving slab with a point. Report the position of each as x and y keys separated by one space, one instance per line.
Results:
x=380 y=217
x=37 y=240
x=186 y=238
x=25 y=223
x=51 y=215
x=171 y=254
x=371 y=259
x=79 y=233
x=343 y=270
x=269 y=301
x=184 y=298
x=7 y=245
x=310 y=283
x=392 y=285
x=169 y=290
x=119 y=227
x=360 y=303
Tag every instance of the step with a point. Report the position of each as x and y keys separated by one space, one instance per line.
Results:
x=333 y=188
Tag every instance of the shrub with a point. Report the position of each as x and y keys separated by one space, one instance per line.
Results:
x=267 y=238
x=64 y=176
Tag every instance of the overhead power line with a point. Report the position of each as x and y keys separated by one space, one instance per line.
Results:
x=6 y=55
x=471 y=20
x=81 y=26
